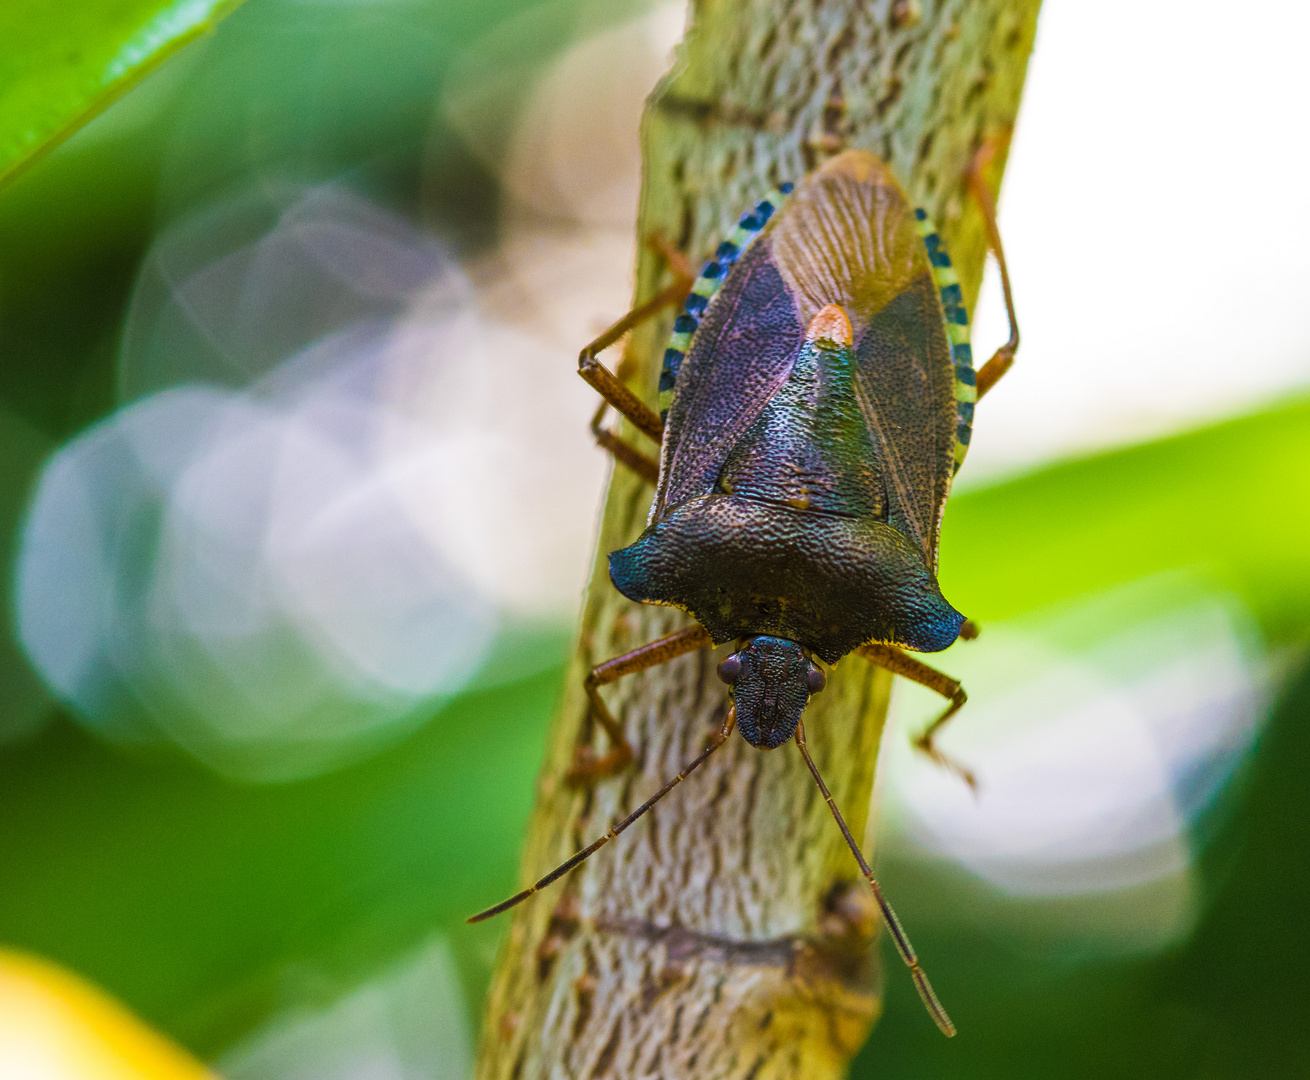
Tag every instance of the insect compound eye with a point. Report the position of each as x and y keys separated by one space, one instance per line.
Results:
x=816 y=680
x=730 y=669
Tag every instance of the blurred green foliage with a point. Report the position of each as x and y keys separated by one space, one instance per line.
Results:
x=62 y=63
x=1228 y=503
x=209 y=905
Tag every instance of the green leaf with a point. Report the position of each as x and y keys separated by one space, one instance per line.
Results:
x=60 y=64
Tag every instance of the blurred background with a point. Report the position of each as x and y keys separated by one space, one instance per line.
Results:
x=297 y=503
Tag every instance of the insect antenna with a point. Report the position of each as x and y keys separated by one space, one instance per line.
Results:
x=899 y=937
x=591 y=849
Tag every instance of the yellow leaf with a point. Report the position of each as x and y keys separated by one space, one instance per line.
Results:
x=54 y=1026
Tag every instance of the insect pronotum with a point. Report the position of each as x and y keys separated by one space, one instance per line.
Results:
x=816 y=399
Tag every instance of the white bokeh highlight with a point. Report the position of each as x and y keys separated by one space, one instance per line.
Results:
x=1155 y=227
x=351 y=471
x=281 y=558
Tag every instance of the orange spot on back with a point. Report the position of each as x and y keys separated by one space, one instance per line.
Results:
x=830 y=324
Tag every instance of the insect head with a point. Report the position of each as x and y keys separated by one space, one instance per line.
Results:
x=772 y=680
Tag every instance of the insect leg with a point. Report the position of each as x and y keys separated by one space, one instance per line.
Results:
x=1001 y=360
x=645 y=467
x=901 y=663
x=587 y=767
x=899 y=938
x=611 y=388
x=586 y=853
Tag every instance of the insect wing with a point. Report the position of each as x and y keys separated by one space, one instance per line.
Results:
x=742 y=353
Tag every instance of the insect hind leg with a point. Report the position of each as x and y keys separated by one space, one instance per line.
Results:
x=990 y=373
x=588 y=767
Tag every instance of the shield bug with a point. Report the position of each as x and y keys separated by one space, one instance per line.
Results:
x=816 y=399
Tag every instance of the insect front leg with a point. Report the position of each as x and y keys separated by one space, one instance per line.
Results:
x=999 y=364
x=902 y=663
x=611 y=388
x=587 y=766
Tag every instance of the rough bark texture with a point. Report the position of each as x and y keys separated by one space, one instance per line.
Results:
x=725 y=935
